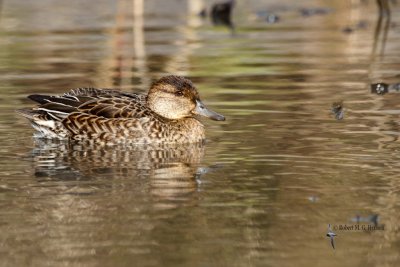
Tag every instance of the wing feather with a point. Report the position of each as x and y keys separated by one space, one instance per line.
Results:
x=91 y=112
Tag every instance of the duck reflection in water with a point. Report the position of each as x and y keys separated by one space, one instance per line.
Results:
x=167 y=171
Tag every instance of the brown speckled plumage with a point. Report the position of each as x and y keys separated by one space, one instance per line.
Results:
x=107 y=116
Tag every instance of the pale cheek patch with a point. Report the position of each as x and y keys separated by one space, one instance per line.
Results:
x=173 y=108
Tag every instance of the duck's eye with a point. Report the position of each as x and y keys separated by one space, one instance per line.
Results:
x=179 y=93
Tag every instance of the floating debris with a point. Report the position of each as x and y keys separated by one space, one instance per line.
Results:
x=269 y=17
x=338 y=110
x=272 y=18
x=384 y=88
x=308 y=12
x=379 y=88
x=395 y=87
x=362 y=24
x=358 y=26
x=348 y=29
x=331 y=235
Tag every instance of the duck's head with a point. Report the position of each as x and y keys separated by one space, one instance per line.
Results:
x=175 y=97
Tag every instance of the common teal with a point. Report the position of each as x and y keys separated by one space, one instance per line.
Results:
x=167 y=114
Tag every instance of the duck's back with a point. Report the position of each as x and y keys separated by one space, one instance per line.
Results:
x=109 y=103
x=106 y=116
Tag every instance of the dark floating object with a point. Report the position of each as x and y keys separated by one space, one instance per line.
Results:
x=395 y=87
x=338 y=110
x=331 y=235
x=308 y=12
x=270 y=18
x=374 y=218
x=221 y=13
x=348 y=29
x=384 y=88
x=379 y=88
x=362 y=24
x=203 y=13
x=358 y=26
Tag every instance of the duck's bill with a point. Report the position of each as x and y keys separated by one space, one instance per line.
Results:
x=202 y=110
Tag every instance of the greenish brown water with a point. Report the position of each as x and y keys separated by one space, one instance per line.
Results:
x=268 y=181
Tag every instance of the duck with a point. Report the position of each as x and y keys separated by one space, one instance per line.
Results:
x=168 y=114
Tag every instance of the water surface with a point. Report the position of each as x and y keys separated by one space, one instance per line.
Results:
x=268 y=181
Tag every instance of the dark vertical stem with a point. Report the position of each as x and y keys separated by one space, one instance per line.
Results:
x=377 y=33
x=384 y=12
x=385 y=33
x=380 y=6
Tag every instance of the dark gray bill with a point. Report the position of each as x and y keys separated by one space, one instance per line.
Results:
x=202 y=110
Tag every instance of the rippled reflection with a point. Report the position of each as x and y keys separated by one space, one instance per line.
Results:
x=172 y=170
x=268 y=181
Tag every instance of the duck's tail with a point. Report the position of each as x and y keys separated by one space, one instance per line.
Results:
x=46 y=118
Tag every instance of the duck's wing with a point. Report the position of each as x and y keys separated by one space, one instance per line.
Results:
x=108 y=103
x=93 y=92
x=89 y=111
x=117 y=107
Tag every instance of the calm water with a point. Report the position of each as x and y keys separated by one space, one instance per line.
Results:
x=269 y=180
